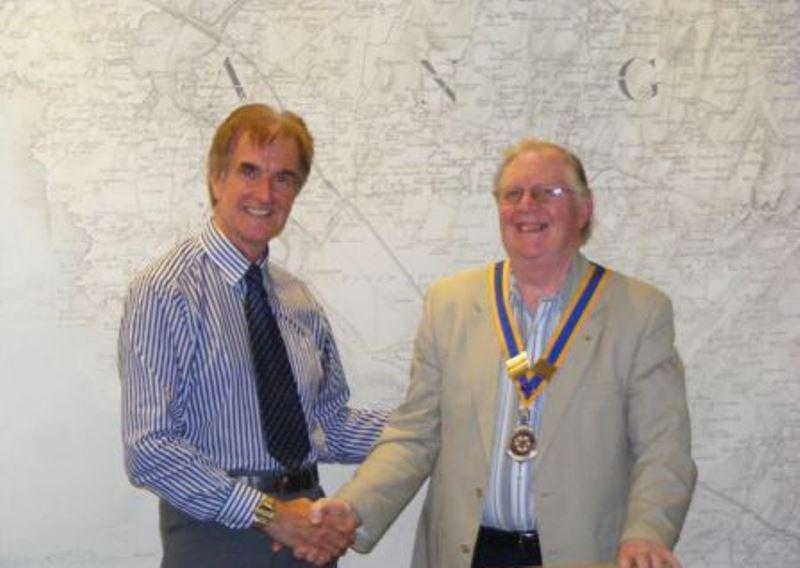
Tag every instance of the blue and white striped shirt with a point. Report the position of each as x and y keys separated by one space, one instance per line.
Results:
x=189 y=405
x=509 y=503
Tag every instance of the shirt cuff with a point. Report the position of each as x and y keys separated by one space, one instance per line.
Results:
x=238 y=512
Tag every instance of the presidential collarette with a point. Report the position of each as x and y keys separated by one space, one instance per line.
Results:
x=530 y=380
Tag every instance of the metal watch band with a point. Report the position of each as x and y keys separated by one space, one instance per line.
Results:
x=265 y=511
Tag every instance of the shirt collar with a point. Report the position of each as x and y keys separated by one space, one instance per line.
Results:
x=222 y=252
x=560 y=298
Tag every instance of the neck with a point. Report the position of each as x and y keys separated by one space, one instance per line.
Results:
x=537 y=280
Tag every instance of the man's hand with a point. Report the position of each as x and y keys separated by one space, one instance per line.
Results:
x=337 y=514
x=317 y=543
x=645 y=554
x=332 y=515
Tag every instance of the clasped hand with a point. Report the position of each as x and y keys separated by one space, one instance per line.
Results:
x=316 y=531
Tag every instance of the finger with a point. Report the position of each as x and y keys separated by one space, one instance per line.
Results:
x=321 y=560
x=333 y=509
x=655 y=560
x=333 y=538
x=302 y=552
x=276 y=546
x=320 y=544
x=343 y=523
x=313 y=555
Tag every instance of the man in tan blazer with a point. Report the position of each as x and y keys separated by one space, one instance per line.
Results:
x=592 y=467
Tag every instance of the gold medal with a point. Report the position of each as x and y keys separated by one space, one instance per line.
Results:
x=522 y=444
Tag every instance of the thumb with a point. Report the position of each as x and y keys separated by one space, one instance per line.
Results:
x=317 y=511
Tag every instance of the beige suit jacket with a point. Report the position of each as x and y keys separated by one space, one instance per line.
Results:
x=614 y=445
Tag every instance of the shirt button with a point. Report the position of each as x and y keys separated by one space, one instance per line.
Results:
x=465 y=548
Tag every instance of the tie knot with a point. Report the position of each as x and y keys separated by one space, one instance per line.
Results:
x=253 y=278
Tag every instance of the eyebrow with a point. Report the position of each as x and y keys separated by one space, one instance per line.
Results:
x=563 y=185
x=245 y=165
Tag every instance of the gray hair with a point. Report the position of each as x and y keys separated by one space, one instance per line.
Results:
x=536 y=145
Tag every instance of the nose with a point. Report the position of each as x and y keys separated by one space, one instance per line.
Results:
x=529 y=200
x=264 y=188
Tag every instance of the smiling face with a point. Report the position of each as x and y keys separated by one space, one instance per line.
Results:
x=254 y=195
x=535 y=233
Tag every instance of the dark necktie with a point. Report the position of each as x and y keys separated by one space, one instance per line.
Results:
x=282 y=420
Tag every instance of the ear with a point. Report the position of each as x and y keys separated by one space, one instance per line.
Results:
x=585 y=210
x=216 y=186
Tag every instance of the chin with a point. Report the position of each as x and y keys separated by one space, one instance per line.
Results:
x=529 y=251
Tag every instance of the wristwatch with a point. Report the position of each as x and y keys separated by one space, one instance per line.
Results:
x=265 y=512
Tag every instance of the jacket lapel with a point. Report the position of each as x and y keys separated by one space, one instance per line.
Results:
x=575 y=370
x=483 y=367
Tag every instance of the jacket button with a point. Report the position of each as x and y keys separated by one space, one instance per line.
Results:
x=479 y=493
x=465 y=548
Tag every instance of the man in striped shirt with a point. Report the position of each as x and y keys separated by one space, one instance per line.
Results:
x=192 y=413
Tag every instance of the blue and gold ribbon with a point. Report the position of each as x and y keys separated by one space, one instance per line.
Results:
x=530 y=381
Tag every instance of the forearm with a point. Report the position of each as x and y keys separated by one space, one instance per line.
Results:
x=402 y=458
x=383 y=487
x=179 y=474
x=351 y=434
x=662 y=484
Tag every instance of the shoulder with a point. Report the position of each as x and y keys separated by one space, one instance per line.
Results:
x=458 y=295
x=158 y=297
x=464 y=284
x=630 y=291
x=170 y=274
x=635 y=303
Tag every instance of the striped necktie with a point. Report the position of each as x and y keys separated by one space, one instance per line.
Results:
x=282 y=420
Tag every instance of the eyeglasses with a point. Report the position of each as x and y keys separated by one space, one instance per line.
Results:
x=542 y=193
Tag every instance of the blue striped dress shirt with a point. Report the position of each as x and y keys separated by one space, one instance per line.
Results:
x=509 y=503
x=189 y=406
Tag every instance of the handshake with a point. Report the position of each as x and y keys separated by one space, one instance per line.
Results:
x=316 y=531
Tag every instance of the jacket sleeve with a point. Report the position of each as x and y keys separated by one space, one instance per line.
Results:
x=405 y=454
x=663 y=474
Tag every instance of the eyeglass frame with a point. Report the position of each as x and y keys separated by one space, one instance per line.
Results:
x=541 y=193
